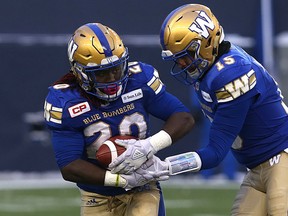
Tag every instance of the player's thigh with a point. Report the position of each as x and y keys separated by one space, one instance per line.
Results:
x=145 y=203
x=95 y=204
x=249 y=201
x=277 y=185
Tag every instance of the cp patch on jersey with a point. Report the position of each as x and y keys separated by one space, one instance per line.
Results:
x=79 y=109
x=237 y=87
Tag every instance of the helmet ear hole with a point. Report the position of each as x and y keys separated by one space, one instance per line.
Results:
x=214 y=51
x=208 y=42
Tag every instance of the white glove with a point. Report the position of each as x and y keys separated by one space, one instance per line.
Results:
x=157 y=166
x=137 y=178
x=137 y=152
x=141 y=176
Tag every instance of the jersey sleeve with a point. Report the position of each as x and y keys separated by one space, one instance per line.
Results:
x=67 y=141
x=165 y=105
x=225 y=127
x=158 y=101
x=235 y=82
x=68 y=146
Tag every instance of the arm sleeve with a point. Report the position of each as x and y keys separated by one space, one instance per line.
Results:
x=68 y=146
x=225 y=127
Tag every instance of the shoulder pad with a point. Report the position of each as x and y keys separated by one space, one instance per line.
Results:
x=54 y=103
x=146 y=74
x=57 y=100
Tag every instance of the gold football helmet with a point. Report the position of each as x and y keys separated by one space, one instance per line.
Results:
x=190 y=36
x=99 y=60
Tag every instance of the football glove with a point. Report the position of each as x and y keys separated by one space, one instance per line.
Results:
x=138 y=151
x=153 y=170
x=155 y=165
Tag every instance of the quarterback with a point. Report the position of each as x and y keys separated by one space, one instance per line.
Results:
x=242 y=101
x=102 y=96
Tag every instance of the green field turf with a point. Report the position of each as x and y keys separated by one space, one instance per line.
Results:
x=196 y=201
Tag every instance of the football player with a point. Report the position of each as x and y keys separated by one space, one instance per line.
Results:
x=104 y=95
x=243 y=102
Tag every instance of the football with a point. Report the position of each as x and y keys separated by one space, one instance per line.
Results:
x=109 y=150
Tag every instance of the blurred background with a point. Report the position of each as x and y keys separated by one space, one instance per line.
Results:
x=33 y=41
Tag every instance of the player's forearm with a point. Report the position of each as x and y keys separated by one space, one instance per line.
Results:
x=178 y=125
x=175 y=127
x=80 y=171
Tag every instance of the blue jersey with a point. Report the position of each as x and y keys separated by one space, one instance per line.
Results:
x=246 y=111
x=79 y=127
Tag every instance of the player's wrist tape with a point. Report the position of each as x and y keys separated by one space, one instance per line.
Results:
x=185 y=162
x=160 y=140
x=114 y=180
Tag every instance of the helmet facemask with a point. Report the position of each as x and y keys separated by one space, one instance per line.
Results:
x=92 y=78
x=194 y=66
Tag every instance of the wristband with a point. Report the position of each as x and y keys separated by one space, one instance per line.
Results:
x=160 y=140
x=114 y=180
x=189 y=161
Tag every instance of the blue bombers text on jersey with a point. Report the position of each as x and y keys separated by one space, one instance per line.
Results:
x=79 y=127
x=246 y=110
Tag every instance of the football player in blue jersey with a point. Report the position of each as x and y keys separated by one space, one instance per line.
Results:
x=102 y=96
x=242 y=101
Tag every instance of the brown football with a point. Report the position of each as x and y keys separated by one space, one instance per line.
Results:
x=109 y=150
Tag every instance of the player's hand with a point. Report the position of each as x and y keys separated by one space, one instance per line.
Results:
x=155 y=165
x=143 y=176
x=137 y=152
